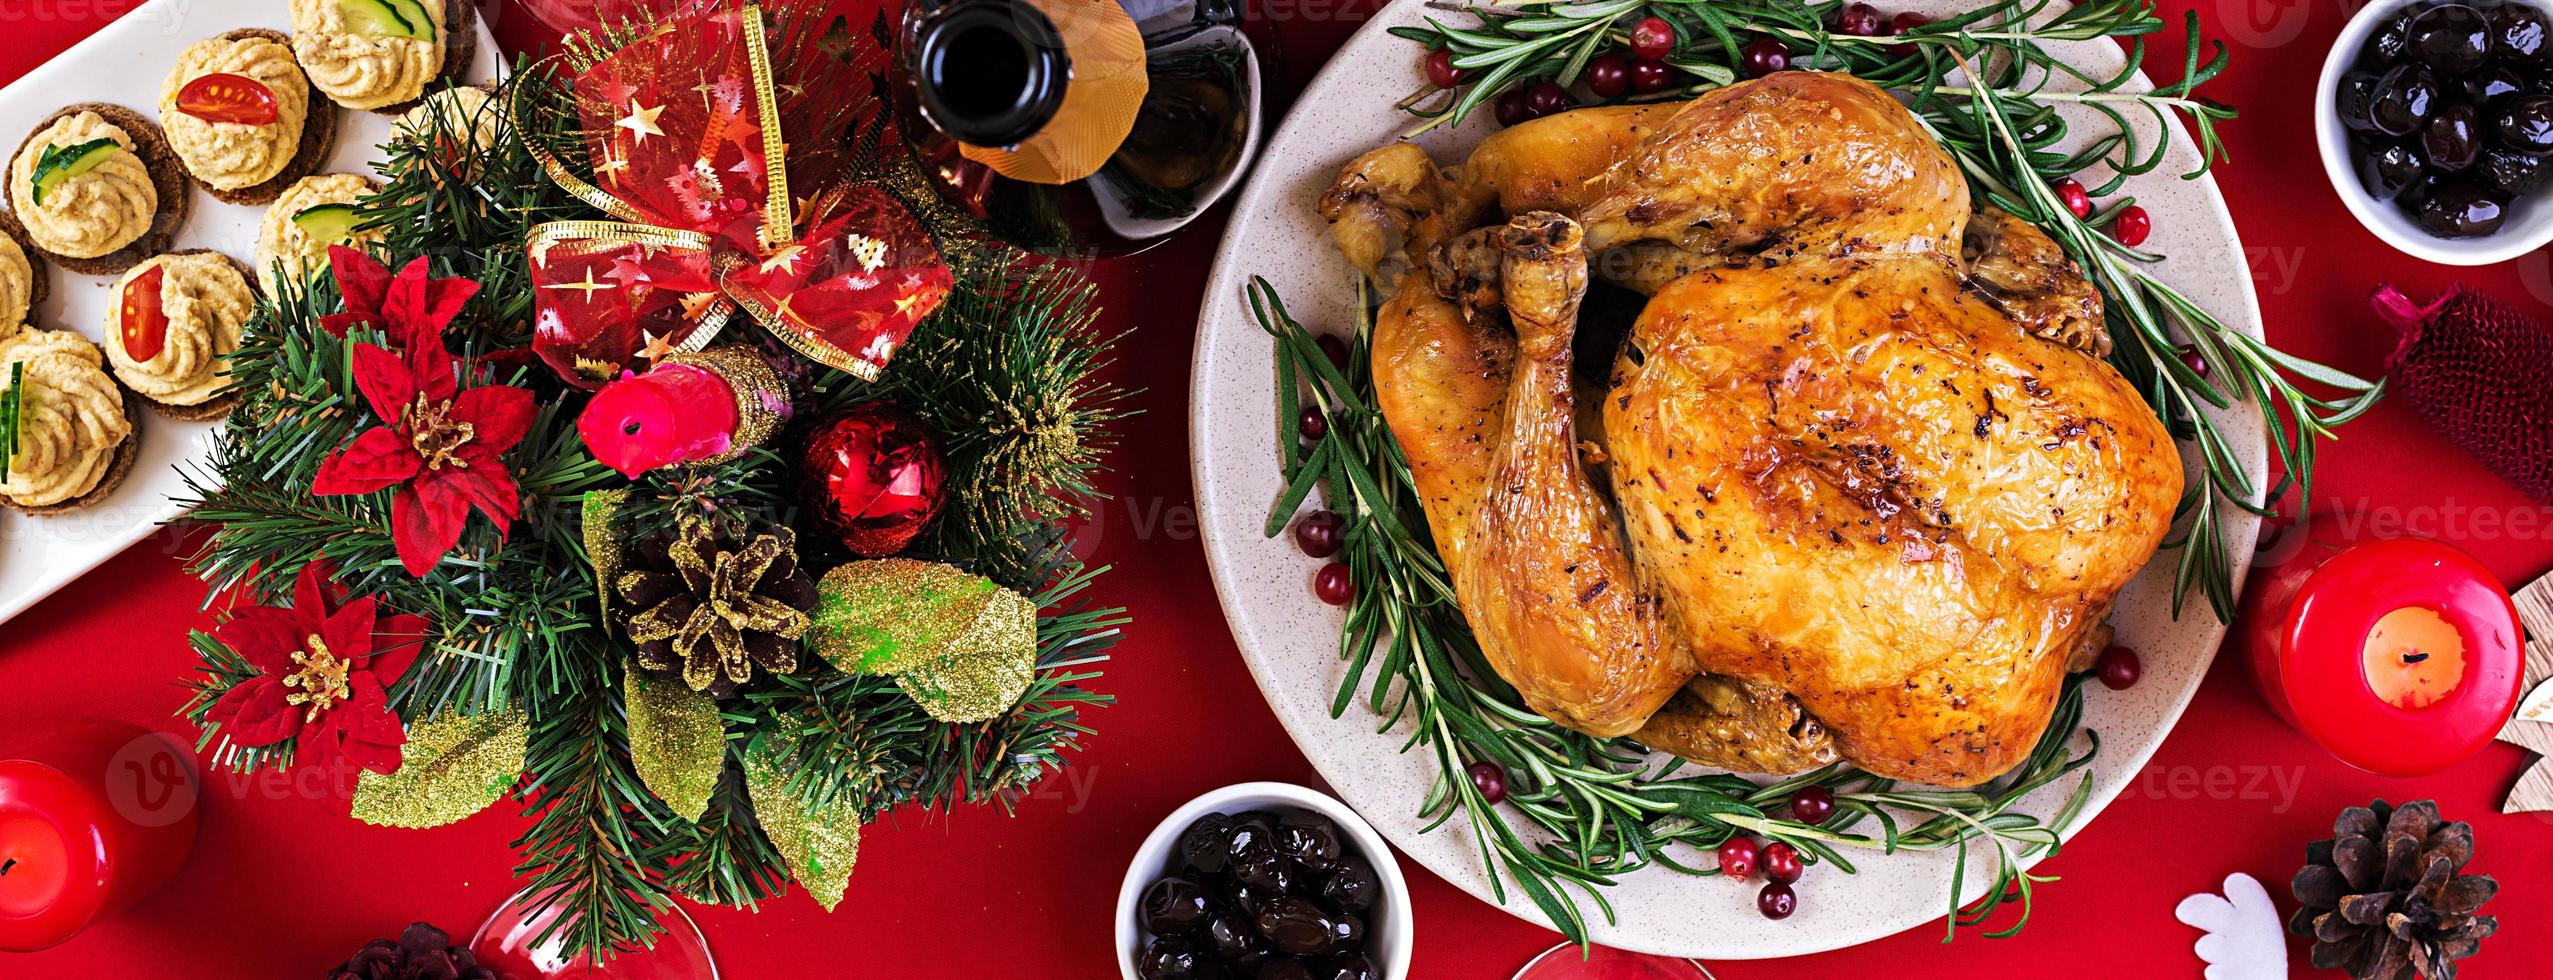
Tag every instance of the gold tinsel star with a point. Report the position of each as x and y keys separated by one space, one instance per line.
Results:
x=2533 y=726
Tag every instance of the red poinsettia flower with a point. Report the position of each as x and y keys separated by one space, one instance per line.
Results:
x=438 y=443
x=411 y=302
x=325 y=667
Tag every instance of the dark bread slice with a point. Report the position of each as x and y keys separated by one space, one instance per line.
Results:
x=219 y=405
x=318 y=135
x=168 y=178
x=460 y=44
x=39 y=285
x=116 y=470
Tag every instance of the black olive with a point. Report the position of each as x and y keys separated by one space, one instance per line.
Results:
x=2403 y=100
x=1234 y=937
x=1347 y=933
x=2453 y=139
x=2388 y=168
x=1355 y=967
x=1310 y=840
x=1205 y=847
x=2517 y=33
x=2451 y=38
x=1167 y=958
x=2389 y=42
x=1353 y=887
x=1285 y=969
x=2357 y=96
x=2487 y=87
x=1296 y=926
x=1246 y=898
x=2515 y=171
x=2526 y=123
x=2456 y=209
x=1175 y=904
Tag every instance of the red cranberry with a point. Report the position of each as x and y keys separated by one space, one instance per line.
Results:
x=1781 y=863
x=2131 y=226
x=1332 y=348
x=1812 y=805
x=1546 y=98
x=1489 y=779
x=2075 y=198
x=1649 y=77
x=1441 y=71
x=1608 y=75
x=1311 y=423
x=1319 y=533
x=1333 y=584
x=2119 y=668
x=1510 y=107
x=1764 y=56
x=2196 y=363
x=1737 y=858
x=1859 y=20
x=1652 y=38
x=1777 y=901
x=1902 y=23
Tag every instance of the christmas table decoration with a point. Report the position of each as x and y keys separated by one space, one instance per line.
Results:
x=93 y=817
x=874 y=475
x=2386 y=898
x=2243 y=940
x=2480 y=373
x=496 y=520
x=2400 y=656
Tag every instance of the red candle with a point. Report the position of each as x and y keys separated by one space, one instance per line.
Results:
x=676 y=413
x=2400 y=656
x=92 y=819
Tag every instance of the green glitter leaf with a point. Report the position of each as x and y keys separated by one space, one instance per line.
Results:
x=820 y=842
x=676 y=742
x=452 y=767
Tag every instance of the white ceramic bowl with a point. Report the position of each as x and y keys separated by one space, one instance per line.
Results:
x=2529 y=224
x=1388 y=931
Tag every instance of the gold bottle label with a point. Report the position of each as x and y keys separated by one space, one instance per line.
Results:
x=1107 y=88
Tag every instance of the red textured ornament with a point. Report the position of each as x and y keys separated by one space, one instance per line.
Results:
x=874 y=477
x=2481 y=374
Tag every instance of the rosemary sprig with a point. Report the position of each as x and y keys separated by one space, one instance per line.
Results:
x=1595 y=809
x=1988 y=87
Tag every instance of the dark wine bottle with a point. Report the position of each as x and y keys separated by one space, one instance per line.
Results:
x=1082 y=127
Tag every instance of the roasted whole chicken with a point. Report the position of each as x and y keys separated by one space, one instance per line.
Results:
x=1859 y=483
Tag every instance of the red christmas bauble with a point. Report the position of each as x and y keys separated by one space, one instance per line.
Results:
x=873 y=475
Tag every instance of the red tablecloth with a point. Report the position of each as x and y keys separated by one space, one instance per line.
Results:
x=284 y=885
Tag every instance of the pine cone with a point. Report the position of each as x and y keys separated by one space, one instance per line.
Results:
x=2384 y=899
x=422 y=952
x=714 y=602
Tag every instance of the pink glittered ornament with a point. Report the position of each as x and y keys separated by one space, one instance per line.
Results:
x=873 y=476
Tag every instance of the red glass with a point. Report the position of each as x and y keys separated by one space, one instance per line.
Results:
x=507 y=945
x=1563 y=962
x=92 y=818
x=2401 y=656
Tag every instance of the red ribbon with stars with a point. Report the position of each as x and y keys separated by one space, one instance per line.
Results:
x=687 y=134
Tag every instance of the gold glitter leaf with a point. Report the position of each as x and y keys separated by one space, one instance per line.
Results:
x=452 y=767
x=981 y=682
x=896 y=614
x=601 y=546
x=821 y=843
x=676 y=741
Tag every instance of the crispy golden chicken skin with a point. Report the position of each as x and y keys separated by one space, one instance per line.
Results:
x=1862 y=485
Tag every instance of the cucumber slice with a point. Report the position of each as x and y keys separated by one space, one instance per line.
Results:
x=61 y=163
x=330 y=223
x=420 y=23
x=385 y=18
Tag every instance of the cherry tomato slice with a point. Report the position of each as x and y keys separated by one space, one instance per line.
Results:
x=226 y=98
x=143 y=323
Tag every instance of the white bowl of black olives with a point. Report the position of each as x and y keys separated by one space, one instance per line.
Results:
x=2436 y=126
x=1264 y=880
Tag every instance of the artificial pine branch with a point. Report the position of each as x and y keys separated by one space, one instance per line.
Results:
x=731 y=863
x=601 y=847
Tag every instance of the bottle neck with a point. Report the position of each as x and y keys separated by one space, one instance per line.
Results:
x=989 y=72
